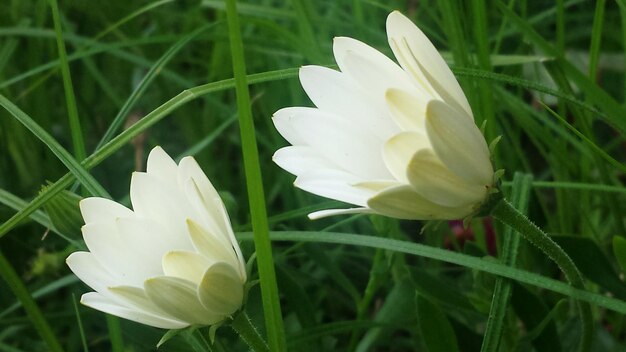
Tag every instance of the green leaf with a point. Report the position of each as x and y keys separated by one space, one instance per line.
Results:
x=488 y=266
x=593 y=263
x=531 y=310
x=619 y=250
x=393 y=311
x=436 y=331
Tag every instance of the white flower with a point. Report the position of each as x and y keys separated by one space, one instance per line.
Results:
x=397 y=140
x=173 y=260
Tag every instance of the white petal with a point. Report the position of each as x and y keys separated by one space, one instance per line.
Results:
x=161 y=165
x=400 y=149
x=90 y=271
x=179 y=298
x=112 y=252
x=96 y=209
x=299 y=160
x=419 y=56
x=161 y=202
x=345 y=49
x=333 y=184
x=407 y=110
x=213 y=246
x=282 y=122
x=335 y=92
x=148 y=243
x=458 y=143
x=437 y=183
x=376 y=78
x=403 y=202
x=186 y=265
x=343 y=142
x=221 y=290
x=332 y=212
x=107 y=305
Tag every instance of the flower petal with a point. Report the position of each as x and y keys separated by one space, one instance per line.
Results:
x=95 y=209
x=161 y=202
x=332 y=212
x=335 y=92
x=107 y=305
x=136 y=298
x=333 y=184
x=161 y=165
x=400 y=149
x=350 y=52
x=90 y=271
x=408 y=110
x=212 y=246
x=343 y=142
x=299 y=160
x=418 y=56
x=179 y=298
x=403 y=202
x=458 y=143
x=111 y=251
x=435 y=182
x=221 y=289
x=186 y=265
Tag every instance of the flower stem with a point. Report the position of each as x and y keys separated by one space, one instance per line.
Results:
x=507 y=214
x=248 y=332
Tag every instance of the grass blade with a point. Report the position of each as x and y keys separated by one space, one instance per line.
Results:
x=66 y=158
x=269 y=287
x=70 y=98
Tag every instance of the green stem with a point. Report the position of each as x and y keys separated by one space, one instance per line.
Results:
x=507 y=214
x=502 y=290
x=256 y=196
x=248 y=332
x=36 y=317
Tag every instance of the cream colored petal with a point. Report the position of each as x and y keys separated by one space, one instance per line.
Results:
x=221 y=289
x=435 y=182
x=161 y=165
x=107 y=305
x=211 y=246
x=215 y=208
x=458 y=143
x=403 y=202
x=186 y=265
x=136 y=298
x=336 y=92
x=400 y=149
x=179 y=298
x=96 y=209
x=85 y=266
x=407 y=110
x=419 y=56
x=332 y=212
x=333 y=184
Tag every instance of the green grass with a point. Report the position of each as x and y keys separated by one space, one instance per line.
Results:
x=73 y=74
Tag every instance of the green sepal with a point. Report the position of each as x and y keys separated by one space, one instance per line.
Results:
x=168 y=335
x=64 y=212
